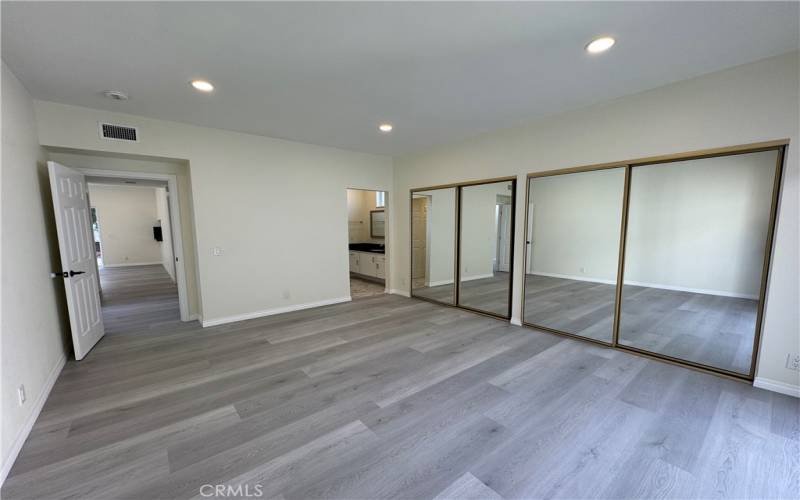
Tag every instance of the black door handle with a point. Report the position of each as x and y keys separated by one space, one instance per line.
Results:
x=73 y=273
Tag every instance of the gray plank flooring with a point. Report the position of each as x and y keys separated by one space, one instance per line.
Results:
x=486 y=294
x=136 y=297
x=389 y=397
x=709 y=329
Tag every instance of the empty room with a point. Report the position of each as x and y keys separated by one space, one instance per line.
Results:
x=419 y=250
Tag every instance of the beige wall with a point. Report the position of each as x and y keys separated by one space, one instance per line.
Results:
x=276 y=208
x=359 y=205
x=126 y=216
x=114 y=161
x=749 y=103
x=33 y=335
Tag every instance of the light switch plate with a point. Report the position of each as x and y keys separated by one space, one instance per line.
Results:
x=216 y=251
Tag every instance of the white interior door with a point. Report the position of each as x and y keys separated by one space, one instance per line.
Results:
x=76 y=247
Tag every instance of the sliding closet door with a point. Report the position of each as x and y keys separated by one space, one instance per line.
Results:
x=573 y=233
x=433 y=238
x=486 y=245
x=695 y=257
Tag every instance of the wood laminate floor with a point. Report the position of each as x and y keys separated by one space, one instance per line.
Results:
x=486 y=294
x=708 y=329
x=137 y=298
x=389 y=397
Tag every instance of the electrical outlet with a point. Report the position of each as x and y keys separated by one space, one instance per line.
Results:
x=286 y=294
x=21 y=394
x=216 y=251
x=583 y=270
x=793 y=362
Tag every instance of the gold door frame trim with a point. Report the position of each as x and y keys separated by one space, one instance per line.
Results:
x=566 y=171
x=457 y=186
x=507 y=316
x=411 y=247
x=777 y=145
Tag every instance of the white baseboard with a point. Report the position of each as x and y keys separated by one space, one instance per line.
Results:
x=439 y=283
x=271 y=312
x=516 y=322
x=23 y=433
x=477 y=277
x=195 y=317
x=397 y=291
x=651 y=285
x=131 y=264
x=470 y=278
x=576 y=278
x=702 y=291
x=777 y=386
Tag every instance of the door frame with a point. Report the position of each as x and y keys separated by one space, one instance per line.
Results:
x=387 y=229
x=175 y=222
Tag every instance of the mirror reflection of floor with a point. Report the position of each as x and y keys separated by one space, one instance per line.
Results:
x=709 y=329
x=363 y=288
x=487 y=294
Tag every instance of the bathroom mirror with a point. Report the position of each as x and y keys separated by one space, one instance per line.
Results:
x=697 y=235
x=377 y=223
x=486 y=247
x=572 y=251
x=433 y=230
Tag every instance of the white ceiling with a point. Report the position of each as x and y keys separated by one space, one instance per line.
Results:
x=329 y=73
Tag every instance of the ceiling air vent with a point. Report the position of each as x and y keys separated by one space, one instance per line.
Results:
x=118 y=132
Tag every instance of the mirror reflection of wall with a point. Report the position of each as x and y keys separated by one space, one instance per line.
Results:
x=486 y=234
x=572 y=256
x=697 y=232
x=433 y=218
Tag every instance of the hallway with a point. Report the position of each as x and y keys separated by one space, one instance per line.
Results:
x=137 y=298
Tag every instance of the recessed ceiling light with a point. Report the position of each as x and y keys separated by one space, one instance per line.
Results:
x=601 y=44
x=385 y=127
x=116 y=95
x=202 y=85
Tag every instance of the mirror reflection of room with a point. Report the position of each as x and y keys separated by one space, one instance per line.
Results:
x=572 y=250
x=697 y=232
x=433 y=220
x=485 y=246
x=366 y=213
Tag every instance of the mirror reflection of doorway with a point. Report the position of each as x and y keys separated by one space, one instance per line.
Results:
x=502 y=260
x=98 y=248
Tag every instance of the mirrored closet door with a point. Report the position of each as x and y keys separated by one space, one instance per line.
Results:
x=572 y=251
x=433 y=240
x=486 y=241
x=696 y=257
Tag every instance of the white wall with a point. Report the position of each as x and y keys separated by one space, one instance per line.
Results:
x=750 y=103
x=33 y=336
x=126 y=216
x=253 y=197
x=180 y=169
x=575 y=223
x=701 y=225
x=479 y=229
x=697 y=225
x=162 y=212
x=441 y=232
